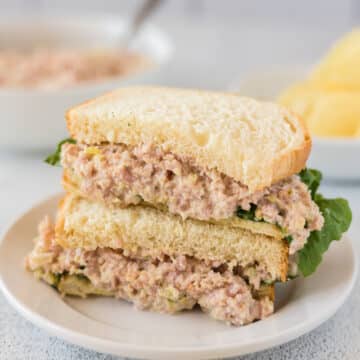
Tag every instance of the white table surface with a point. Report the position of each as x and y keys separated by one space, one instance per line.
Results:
x=25 y=180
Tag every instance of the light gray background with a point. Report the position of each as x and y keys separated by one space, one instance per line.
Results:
x=319 y=12
x=217 y=41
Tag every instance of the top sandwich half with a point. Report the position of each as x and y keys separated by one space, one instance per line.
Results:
x=253 y=143
x=201 y=155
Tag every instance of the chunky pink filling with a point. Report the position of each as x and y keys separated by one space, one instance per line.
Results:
x=163 y=284
x=129 y=175
x=58 y=68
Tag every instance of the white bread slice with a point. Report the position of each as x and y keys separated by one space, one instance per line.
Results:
x=88 y=225
x=255 y=143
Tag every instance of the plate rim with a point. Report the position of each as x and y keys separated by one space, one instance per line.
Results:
x=140 y=351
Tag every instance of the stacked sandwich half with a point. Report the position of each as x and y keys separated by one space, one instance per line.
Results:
x=182 y=197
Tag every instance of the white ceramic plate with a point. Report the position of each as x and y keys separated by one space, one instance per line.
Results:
x=113 y=326
x=337 y=158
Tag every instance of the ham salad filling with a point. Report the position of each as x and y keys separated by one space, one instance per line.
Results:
x=145 y=173
x=235 y=295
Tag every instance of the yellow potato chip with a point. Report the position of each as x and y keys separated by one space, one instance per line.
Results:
x=335 y=114
x=340 y=69
x=299 y=98
x=358 y=131
x=327 y=113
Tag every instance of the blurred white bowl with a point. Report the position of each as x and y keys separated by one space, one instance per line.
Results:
x=33 y=118
x=337 y=158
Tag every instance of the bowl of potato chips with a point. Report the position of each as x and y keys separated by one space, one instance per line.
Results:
x=327 y=97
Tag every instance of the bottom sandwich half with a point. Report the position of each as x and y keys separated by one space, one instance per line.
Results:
x=159 y=261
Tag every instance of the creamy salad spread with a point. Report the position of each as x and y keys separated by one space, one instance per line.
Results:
x=131 y=175
x=232 y=294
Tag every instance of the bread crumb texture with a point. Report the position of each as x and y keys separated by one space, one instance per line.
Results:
x=254 y=142
x=88 y=225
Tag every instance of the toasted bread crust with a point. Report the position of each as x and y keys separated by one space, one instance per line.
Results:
x=292 y=163
x=255 y=143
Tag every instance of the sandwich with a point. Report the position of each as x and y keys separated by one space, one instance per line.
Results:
x=180 y=198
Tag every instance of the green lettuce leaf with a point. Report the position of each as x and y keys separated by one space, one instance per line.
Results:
x=337 y=216
x=247 y=214
x=54 y=158
x=312 y=179
x=337 y=219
